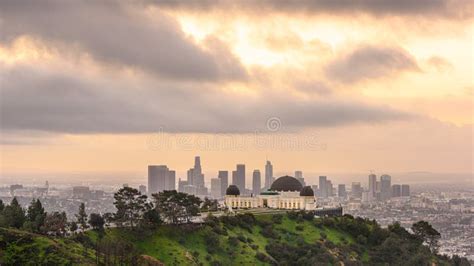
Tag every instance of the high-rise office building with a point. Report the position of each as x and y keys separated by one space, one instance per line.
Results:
x=329 y=188
x=170 y=181
x=196 y=178
x=191 y=176
x=238 y=177
x=341 y=191
x=190 y=189
x=268 y=175
x=181 y=184
x=372 y=184
x=405 y=190
x=323 y=187
x=198 y=175
x=385 y=187
x=299 y=176
x=256 y=182
x=224 y=177
x=356 y=190
x=396 y=190
x=160 y=178
x=216 y=191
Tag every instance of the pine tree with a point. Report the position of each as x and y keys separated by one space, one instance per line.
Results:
x=35 y=215
x=14 y=214
x=81 y=216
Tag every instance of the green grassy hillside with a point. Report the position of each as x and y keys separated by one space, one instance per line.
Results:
x=245 y=239
x=24 y=248
x=235 y=245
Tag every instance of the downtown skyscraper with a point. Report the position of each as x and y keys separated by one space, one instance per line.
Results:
x=372 y=186
x=224 y=177
x=160 y=178
x=195 y=183
x=256 y=182
x=268 y=175
x=238 y=177
x=385 y=187
x=323 y=191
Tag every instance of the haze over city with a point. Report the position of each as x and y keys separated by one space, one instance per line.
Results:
x=359 y=85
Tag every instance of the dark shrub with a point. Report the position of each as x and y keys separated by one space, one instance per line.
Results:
x=267 y=231
x=262 y=257
x=277 y=218
x=242 y=238
x=233 y=241
x=323 y=235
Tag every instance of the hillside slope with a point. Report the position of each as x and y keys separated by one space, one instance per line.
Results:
x=245 y=239
x=290 y=239
x=24 y=248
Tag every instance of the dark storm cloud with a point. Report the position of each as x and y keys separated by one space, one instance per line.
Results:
x=119 y=34
x=442 y=8
x=371 y=62
x=65 y=103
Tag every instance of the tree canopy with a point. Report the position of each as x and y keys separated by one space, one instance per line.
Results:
x=177 y=207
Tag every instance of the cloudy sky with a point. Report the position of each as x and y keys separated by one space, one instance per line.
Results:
x=322 y=86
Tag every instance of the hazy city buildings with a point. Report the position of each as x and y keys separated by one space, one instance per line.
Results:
x=196 y=179
x=160 y=178
x=396 y=191
x=216 y=188
x=385 y=187
x=356 y=190
x=405 y=191
x=181 y=185
x=81 y=192
x=341 y=191
x=299 y=176
x=256 y=182
x=238 y=177
x=268 y=175
x=323 y=187
x=372 y=185
x=329 y=188
x=224 y=177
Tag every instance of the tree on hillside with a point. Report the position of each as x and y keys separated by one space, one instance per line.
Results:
x=209 y=205
x=55 y=223
x=35 y=216
x=3 y=222
x=96 y=221
x=108 y=218
x=14 y=214
x=73 y=227
x=151 y=218
x=131 y=205
x=399 y=230
x=81 y=216
x=427 y=234
x=177 y=207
